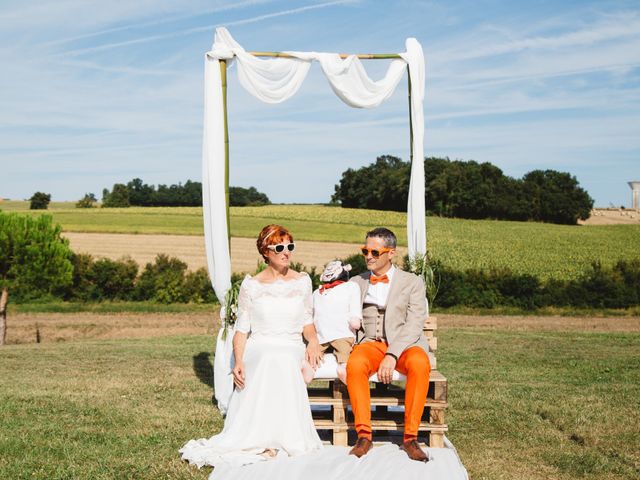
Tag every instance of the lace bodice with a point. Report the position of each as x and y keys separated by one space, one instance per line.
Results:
x=281 y=308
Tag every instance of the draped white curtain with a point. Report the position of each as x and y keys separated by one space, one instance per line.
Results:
x=274 y=80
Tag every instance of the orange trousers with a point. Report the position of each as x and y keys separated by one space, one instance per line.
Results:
x=364 y=362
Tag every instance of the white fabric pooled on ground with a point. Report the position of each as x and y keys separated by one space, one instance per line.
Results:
x=385 y=462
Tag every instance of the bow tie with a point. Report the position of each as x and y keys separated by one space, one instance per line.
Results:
x=327 y=286
x=382 y=278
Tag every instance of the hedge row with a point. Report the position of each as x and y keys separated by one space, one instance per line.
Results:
x=167 y=280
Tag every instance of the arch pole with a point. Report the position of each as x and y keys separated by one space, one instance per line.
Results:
x=410 y=119
x=223 y=78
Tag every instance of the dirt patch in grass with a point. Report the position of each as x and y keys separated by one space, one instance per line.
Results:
x=60 y=327
x=190 y=249
x=552 y=323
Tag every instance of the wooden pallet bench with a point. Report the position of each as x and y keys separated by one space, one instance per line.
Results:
x=387 y=402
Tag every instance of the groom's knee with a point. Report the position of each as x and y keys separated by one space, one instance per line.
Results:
x=417 y=362
x=357 y=365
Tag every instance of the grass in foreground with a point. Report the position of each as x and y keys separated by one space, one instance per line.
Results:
x=544 y=250
x=525 y=405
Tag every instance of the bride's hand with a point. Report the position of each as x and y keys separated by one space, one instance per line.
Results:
x=238 y=375
x=314 y=354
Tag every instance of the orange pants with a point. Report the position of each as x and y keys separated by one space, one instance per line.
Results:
x=364 y=362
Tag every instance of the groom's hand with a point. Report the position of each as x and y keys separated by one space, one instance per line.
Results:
x=238 y=375
x=386 y=368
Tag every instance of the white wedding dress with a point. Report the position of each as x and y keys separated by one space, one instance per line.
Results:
x=272 y=411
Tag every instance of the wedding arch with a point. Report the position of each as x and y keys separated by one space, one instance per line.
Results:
x=274 y=79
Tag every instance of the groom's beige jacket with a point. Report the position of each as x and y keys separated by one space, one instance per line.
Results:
x=404 y=315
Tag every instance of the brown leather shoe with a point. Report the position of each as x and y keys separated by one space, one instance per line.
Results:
x=414 y=451
x=362 y=446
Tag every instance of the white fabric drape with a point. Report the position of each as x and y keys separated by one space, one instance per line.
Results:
x=273 y=81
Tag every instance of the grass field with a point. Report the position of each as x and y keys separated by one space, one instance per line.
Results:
x=527 y=402
x=549 y=251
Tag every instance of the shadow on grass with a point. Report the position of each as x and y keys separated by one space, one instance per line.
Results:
x=203 y=368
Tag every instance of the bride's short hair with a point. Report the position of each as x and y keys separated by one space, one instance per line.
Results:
x=272 y=235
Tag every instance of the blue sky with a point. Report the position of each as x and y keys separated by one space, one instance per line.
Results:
x=98 y=92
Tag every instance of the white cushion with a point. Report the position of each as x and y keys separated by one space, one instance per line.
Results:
x=327 y=371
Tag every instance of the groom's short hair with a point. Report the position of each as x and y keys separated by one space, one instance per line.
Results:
x=387 y=236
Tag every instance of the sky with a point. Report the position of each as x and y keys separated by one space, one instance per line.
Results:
x=94 y=93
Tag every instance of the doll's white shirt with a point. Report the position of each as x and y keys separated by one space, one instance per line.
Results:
x=333 y=309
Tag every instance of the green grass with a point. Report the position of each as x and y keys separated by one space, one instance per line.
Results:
x=544 y=250
x=524 y=405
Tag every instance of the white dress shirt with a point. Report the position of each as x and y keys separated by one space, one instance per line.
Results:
x=334 y=309
x=377 y=294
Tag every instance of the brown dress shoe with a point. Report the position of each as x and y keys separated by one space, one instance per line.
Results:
x=362 y=446
x=414 y=451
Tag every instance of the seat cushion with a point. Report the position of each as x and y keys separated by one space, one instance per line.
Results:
x=327 y=371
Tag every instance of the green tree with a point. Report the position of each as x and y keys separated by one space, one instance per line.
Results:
x=140 y=194
x=117 y=198
x=88 y=201
x=556 y=197
x=244 y=197
x=40 y=201
x=34 y=258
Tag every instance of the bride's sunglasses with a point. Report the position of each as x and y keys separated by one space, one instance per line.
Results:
x=279 y=248
x=375 y=253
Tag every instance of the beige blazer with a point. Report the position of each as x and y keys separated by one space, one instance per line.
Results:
x=405 y=313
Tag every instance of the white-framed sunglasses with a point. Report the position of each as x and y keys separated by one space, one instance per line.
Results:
x=279 y=248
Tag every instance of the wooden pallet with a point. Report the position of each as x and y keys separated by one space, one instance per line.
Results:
x=387 y=402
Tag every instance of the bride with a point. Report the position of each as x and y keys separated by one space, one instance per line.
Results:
x=269 y=412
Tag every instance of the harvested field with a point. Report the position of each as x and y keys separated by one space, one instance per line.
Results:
x=190 y=249
x=60 y=327
x=612 y=216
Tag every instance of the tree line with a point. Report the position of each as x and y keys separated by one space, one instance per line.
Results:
x=189 y=194
x=466 y=189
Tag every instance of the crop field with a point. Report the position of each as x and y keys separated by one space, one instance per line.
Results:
x=545 y=250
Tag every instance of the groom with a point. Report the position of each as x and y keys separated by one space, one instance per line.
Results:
x=394 y=310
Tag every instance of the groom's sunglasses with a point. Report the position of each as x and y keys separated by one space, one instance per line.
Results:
x=279 y=248
x=375 y=253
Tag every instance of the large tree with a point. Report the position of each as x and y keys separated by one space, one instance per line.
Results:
x=40 y=201
x=556 y=197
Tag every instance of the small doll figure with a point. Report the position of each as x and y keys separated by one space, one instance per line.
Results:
x=337 y=313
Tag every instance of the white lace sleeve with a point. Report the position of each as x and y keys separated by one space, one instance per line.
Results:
x=243 y=321
x=308 y=302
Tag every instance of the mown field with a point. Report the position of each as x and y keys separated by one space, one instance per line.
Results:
x=558 y=401
x=548 y=251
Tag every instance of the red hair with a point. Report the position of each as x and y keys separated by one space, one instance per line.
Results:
x=272 y=235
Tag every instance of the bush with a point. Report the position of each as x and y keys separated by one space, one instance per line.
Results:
x=40 y=201
x=358 y=264
x=34 y=258
x=117 y=198
x=113 y=280
x=599 y=287
x=81 y=287
x=197 y=287
x=88 y=201
x=244 y=197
